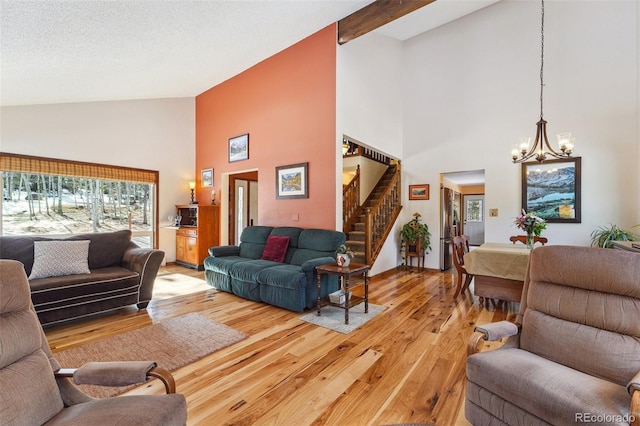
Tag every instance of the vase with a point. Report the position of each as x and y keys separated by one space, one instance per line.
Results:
x=530 y=240
x=343 y=259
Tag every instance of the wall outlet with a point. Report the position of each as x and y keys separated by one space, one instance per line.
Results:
x=296 y=217
x=493 y=212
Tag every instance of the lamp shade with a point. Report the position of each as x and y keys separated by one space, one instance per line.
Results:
x=192 y=185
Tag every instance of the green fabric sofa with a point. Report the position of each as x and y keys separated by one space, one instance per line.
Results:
x=290 y=284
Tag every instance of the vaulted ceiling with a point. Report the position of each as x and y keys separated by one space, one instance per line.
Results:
x=82 y=51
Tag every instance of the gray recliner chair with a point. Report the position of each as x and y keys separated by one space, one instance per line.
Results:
x=573 y=356
x=36 y=391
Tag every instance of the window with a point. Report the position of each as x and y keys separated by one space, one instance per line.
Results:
x=473 y=211
x=48 y=196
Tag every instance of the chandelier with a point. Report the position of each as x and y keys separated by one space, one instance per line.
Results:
x=541 y=148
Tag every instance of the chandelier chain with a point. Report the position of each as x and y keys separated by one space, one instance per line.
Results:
x=541 y=57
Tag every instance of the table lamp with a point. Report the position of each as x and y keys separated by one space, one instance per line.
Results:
x=192 y=187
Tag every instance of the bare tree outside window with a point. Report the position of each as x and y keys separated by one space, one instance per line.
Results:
x=36 y=204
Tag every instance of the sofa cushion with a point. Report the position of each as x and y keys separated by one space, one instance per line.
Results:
x=276 y=248
x=106 y=248
x=285 y=276
x=248 y=271
x=57 y=258
x=19 y=248
x=526 y=380
x=253 y=239
x=48 y=293
x=293 y=233
x=222 y=265
x=322 y=240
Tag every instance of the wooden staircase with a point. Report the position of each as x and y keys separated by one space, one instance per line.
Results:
x=370 y=223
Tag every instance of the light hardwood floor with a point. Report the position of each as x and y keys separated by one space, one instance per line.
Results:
x=404 y=366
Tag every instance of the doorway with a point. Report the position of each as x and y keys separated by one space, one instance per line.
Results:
x=470 y=184
x=243 y=204
x=473 y=214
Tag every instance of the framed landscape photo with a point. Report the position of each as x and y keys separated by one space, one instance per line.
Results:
x=292 y=181
x=239 y=148
x=419 y=192
x=206 y=178
x=552 y=190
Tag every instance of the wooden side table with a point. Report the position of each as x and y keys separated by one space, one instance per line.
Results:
x=414 y=250
x=344 y=272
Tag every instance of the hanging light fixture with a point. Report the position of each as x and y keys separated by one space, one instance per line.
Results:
x=541 y=148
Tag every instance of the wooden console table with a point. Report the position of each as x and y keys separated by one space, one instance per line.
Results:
x=499 y=270
x=344 y=272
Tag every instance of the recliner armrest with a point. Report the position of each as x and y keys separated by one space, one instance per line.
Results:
x=222 y=251
x=120 y=373
x=490 y=332
x=634 y=390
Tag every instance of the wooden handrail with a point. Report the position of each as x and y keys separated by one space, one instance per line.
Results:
x=350 y=201
x=356 y=150
x=379 y=218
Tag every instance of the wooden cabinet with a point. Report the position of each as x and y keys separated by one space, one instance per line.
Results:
x=198 y=231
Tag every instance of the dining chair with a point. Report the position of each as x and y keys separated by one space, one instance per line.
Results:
x=460 y=247
x=523 y=239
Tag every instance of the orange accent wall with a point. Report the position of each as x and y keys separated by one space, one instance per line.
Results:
x=287 y=104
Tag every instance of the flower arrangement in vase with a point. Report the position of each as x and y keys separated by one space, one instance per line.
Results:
x=344 y=255
x=532 y=224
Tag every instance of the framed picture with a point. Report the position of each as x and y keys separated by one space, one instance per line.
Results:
x=239 y=148
x=206 y=178
x=292 y=181
x=551 y=190
x=419 y=192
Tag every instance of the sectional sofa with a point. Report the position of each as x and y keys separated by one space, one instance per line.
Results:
x=275 y=265
x=84 y=274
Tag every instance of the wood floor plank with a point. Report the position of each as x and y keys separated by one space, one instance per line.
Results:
x=405 y=365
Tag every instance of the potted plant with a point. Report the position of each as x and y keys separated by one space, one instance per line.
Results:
x=414 y=236
x=344 y=255
x=603 y=236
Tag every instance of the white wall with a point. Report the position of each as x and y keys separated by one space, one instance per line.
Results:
x=369 y=109
x=472 y=89
x=154 y=134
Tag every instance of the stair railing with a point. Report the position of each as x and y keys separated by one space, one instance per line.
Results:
x=351 y=201
x=379 y=219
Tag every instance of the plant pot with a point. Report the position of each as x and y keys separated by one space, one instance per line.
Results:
x=342 y=259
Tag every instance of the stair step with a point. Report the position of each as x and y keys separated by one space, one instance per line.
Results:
x=357 y=236
x=359 y=227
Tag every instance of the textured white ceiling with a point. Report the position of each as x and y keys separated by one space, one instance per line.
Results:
x=95 y=50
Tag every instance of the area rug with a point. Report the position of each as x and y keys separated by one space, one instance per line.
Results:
x=172 y=343
x=333 y=317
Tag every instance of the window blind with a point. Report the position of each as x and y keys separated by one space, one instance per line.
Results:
x=56 y=167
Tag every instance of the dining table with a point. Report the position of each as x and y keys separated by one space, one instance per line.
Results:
x=499 y=270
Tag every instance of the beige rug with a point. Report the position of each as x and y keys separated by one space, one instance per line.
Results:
x=332 y=317
x=172 y=343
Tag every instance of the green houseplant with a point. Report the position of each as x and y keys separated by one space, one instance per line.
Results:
x=412 y=232
x=344 y=255
x=603 y=236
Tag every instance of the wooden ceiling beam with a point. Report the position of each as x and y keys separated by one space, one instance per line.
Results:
x=375 y=15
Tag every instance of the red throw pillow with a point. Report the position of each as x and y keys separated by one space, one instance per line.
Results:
x=276 y=248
